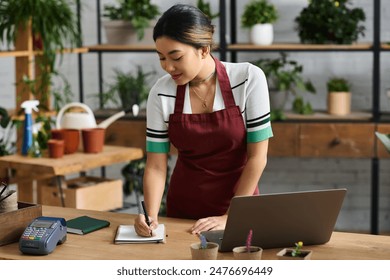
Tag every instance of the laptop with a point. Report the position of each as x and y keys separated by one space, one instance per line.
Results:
x=280 y=220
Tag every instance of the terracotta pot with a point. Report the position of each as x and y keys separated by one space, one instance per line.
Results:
x=285 y=254
x=93 y=139
x=56 y=148
x=241 y=253
x=210 y=253
x=71 y=138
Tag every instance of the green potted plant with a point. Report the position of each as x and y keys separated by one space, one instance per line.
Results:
x=206 y=9
x=339 y=96
x=259 y=16
x=296 y=253
x=330 y=22
x=128 y=87
x=128 y=20
x=54 y=27
x=284 y=77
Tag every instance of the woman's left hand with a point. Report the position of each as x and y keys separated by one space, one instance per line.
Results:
x=209 y=223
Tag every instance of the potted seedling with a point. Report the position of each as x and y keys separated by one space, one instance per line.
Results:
x=284 y=77
x=339 y=96
x=129 y=21
x=295 y=253
x=248 y=252
x=259 y=16
x=204 y=250
x=330 y=22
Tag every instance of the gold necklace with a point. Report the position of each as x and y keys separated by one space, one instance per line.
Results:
x=196 y=83
x=204 y=100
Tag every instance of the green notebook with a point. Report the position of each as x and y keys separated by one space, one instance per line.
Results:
x=85 y=224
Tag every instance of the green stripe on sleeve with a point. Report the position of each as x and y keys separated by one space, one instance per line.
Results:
x=259 y=135
x=157 y=147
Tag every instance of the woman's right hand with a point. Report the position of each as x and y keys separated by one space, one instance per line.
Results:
x=142 y=228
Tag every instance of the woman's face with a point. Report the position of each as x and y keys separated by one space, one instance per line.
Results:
x=183 y=62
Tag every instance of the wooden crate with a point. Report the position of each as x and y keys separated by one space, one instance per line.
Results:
x=13 y=223
x=90 y=193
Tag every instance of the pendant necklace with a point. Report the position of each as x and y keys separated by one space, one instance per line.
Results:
x=203 y=100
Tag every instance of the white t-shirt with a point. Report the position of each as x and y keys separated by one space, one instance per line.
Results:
x=250 y=91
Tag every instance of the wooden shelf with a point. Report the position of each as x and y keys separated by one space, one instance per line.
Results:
x=299 y=47
x=385 y=46
x=121 y=48
x=324 y=116
x=14 y=53
x=33 y=53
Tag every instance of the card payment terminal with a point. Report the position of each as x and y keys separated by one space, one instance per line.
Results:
x=42 y=235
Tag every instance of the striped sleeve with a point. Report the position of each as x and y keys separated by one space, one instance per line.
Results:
x=258 y=117
x=157 y=140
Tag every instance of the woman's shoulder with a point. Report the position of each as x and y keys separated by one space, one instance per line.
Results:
x=242 y=70
x=164 y=85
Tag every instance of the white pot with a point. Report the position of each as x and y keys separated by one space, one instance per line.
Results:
x=119 y=32
x=262 y=34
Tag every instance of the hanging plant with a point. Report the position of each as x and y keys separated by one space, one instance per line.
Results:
x=330 y=22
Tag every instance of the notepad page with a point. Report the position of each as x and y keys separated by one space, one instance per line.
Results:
x=127 y=234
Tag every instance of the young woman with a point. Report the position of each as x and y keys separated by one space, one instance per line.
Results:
x=216 y=114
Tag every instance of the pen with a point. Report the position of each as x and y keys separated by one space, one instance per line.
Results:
x=146 y=215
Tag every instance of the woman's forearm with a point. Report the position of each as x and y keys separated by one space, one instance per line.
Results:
x=257 y=160
x=154 y=183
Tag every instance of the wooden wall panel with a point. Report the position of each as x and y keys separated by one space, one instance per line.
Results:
x=285 y=142
x=349 y=140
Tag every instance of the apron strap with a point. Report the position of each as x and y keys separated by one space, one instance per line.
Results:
x=224 y=84
x=179 y=103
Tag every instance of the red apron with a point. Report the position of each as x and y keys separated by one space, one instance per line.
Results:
x=211 y=156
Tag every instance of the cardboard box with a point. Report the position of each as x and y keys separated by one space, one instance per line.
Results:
x=13 y=223
x=90 y=193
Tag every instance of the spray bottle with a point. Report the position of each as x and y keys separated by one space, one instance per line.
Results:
x=28 y=106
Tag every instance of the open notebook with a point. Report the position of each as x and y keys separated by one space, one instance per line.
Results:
x=126 y=234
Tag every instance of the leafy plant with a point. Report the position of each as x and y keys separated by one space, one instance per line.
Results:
x=330 y=21
x=286 y=75
x=138 y=12
x=249 y=241
x=54 y=26
x=206 y=9
x=337 y=84
x=297 y=250
x=258 y=11
x=129 y=87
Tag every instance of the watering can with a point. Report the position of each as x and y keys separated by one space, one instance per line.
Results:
x=86 y=119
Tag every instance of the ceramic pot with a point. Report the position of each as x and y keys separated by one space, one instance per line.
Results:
x=71 y=138
x=339 y=103
x=241 y=253
x=120 y=32
x=56 y=148
x=262 y=34
x=285 y=254
x=93 y=139
x=210 y=253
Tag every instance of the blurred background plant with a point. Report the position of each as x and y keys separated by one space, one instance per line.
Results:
x=330 y=21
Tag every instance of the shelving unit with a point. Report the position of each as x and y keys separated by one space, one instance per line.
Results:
x=292 y=130
x=375 y=48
